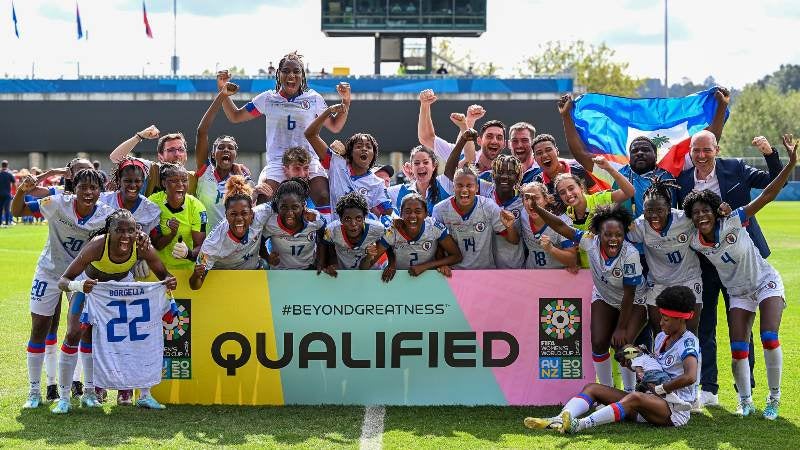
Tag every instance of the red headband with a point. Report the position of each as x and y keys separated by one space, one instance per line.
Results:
x=132 y=162
x=676 y=314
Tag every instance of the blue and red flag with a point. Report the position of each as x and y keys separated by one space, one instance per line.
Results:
x=78 y=18
x=147 y=29
x=608 y=124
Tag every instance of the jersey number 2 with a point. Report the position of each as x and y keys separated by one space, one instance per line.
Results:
x=123 y=319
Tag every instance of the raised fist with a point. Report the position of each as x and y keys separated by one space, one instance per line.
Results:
x=344 y=92
x=150 y=132
x=223 y=76
x=565 y=104
x=427 y=97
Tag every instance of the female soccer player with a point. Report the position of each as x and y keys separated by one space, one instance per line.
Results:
x=109 y=255
x=348 y=239
x=71 y=219
x=214 y=171
x=546 y=248
x=506 y=177
x=471 y=219
x=665 y=233
x=349 y=167
x=293 y=229
x=663 y=404
x=616 y=272
x=751 y=281
x=424 y=181
x=183 y=219
x=414 y=239
x=234 y=243
x=288 y=110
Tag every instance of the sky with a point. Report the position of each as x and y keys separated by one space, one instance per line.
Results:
x=734 y=43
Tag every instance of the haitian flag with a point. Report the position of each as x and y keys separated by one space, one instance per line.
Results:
x=147 y=29
x=608 y=124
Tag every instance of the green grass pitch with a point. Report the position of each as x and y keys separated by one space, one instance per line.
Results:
x=404 y=427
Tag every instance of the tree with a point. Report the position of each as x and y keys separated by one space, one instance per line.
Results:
x=591 y=65
x=459 y=63
x=785 y=79
x=759 y=111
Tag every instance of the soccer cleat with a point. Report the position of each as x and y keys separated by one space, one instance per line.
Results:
x=77 y=389
x=745 y=407
x=569 y=425
x=89 y=400
x=709 y=399
x=125 y=397
x=33 y=402
x=101 y=394
x=62 y=407
x=149 y=402
x=771 y=410
x=52 y=392
x=540 y=423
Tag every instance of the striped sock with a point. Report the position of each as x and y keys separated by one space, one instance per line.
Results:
x=66 y=367
x=88 y=366
x=51 y=358
x=602 y=367
x=607 y=414
x=741 y=369
x=773 y=360
x=35 y=361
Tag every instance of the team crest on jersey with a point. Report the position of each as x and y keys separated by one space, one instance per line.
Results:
x=363 y=191
x=311 y=236
x=771 y=285
x=480 y=226
x=630 y=269
x=670 y=359
x=683 y=237
x=516 y=213
x=730 y=238
x=305 y=104
x=616 y=273
x=427 y=245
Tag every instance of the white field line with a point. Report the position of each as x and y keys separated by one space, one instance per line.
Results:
x=372 y=428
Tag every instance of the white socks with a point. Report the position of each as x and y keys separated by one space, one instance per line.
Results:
x=88 y=367
x=51 y=359
x=35 y=361
x=66 y=367
x=602 y=367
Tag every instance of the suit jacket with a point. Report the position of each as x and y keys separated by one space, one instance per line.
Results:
x=735 y=181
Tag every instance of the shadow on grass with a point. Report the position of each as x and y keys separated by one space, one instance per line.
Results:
x=315 y=426
x=502 y=426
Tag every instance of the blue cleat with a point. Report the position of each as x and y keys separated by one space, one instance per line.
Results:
x=89 y=400
x=771 y=410
x=745 y=407
x=62 y=407
x=149 y=402
x=33 y=402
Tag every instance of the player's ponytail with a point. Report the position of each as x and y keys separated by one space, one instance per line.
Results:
x=237 y=188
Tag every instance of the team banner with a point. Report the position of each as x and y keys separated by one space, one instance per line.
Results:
x=494 y=337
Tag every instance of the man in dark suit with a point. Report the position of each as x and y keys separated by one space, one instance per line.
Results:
x=732 y=179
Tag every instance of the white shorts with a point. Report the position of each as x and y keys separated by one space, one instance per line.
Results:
x=654 y=289
x=770 y=285
x=274 y=171
x=678 y=417
x=596 y=297
x=45 y=293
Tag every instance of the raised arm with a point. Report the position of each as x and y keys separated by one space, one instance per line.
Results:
x=18 y=206
x=123 y=149
x=335 y=123
x=452 y=161
x=232 y=112
x=574 y=141
x=555 y=223
x=425 y=131
x=625 y=190
x=723 y=97
x=757 y=178
x=312 y=132
x=201 y=141
x=774 y=187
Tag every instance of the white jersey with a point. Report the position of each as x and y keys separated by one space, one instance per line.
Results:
x=669 y=258
x=531 y=236
x=145 y=212
x=211 y=192
x=341 y=182
x=67 y=231
x=295 y=250
x=506 y=254
x=287 y=120
x=442 y=148
x=473 y=230
x=350 y=254
x=414 y=250
x=671 y=359
x=222 y=250
x=127 y=333
x=737 y=260
x=611 y=275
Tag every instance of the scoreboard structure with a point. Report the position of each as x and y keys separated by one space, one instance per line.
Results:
x=391 y=22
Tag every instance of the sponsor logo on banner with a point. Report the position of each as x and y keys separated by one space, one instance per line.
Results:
x=178 y=344
x=560 y=342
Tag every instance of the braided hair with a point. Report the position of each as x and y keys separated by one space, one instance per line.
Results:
x=605 y=213
x=237 y=188
x=660 y=189
x=111 y=220
x=293 y=186
x=467 y=169
x=433 y=187
x=293 y=56
x=502 y=160
x=90 y=175
x=351 y=143
x=353 y=200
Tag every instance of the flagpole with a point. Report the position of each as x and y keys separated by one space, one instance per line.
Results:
x=666 y=52
x=174 y=38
